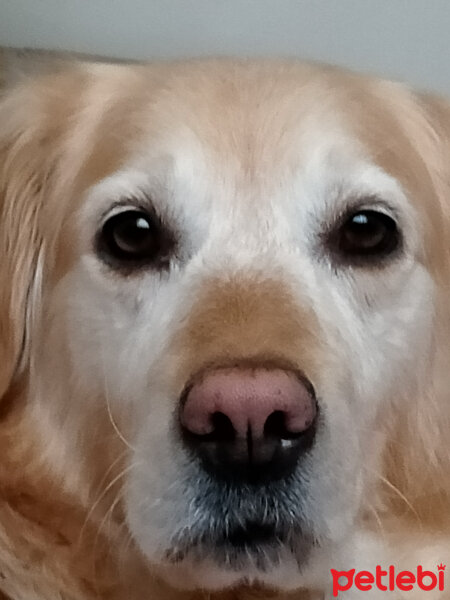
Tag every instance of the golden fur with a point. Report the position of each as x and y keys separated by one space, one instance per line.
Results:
x=53 y=542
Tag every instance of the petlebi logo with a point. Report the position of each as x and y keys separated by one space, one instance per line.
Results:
x=388 y=579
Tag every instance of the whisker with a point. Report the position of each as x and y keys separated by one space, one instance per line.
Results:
x=394 y=489
x=107 y=517
x=110 y=468
x=378 y=519
x=102 y=495
x=108 y=408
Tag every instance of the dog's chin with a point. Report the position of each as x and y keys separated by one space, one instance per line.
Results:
x=237 y=561
x=228 y=536
x=190 y=574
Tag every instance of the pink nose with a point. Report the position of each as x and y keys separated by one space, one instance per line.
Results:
x=254 y=401
x=249 y=425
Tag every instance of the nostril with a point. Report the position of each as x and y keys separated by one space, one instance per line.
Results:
x=249 y=424
x=219 y=428
x=223 y=430
x=275 y=426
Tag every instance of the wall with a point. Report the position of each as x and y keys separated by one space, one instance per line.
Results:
x=404 y=39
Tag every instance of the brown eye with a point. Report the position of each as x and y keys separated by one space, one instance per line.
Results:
x=367 y=234
x=133 y=237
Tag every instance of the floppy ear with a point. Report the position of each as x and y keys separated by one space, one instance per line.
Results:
x=418 y=453
x=438 y=110
x=24 y=170
x=39 y=155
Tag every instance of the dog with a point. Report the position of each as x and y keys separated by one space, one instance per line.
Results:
x=224 y=325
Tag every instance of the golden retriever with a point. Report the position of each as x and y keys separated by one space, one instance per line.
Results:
x=224 y=332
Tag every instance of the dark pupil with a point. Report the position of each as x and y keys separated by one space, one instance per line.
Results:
x=131 y=234
x=368 y=232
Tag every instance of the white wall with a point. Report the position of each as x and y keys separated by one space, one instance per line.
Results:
x=405 y=39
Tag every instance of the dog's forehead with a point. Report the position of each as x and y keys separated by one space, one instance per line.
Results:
x=250 y=122
x=253 y=128
x=210 y=137
x=250 y=134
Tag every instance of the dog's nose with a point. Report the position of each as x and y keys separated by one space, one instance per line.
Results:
x=249 y=424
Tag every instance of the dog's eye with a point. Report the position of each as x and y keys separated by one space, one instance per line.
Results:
x=366 y=234
x=133 y=237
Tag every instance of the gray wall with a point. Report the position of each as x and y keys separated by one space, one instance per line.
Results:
x=402 y=39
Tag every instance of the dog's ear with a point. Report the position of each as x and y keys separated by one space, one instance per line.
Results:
x=438 y=111
x=42 y=152
x=418 y=453
x=26 y=158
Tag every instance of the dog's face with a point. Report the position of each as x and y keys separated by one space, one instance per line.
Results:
x=233 y=287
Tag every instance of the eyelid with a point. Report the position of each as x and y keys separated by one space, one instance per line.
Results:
x=361 y=204
x=365 y=203
x=369 y=203
x=121 y=206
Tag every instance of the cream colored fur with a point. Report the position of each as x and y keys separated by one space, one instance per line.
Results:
x=69 y=143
